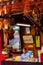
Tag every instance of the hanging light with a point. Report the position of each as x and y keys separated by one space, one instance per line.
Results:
x=19 y=24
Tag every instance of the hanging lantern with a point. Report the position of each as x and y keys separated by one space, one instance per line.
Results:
x=6 y=26
x=6 y=23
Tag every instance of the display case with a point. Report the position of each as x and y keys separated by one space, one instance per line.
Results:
x=15 y=39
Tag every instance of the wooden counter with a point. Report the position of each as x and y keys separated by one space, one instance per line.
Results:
x=20 y=63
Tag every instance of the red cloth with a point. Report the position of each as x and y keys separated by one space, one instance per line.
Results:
x=2 y=57
x=41 y=57
x=1 y=40
x=10 y=6
x=1 y=46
